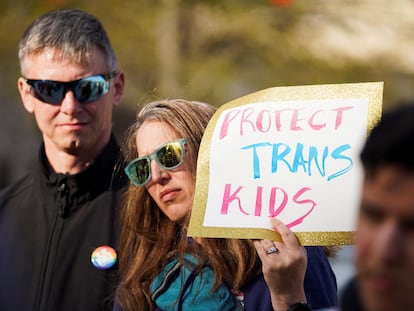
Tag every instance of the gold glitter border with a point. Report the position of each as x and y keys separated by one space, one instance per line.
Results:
x=373 y=91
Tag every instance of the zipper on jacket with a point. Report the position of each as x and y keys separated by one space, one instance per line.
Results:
x=49 y=263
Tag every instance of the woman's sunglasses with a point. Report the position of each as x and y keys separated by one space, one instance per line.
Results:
x=86 y=90
x=168 y=156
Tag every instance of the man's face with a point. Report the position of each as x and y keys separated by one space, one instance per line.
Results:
x=385 y=241
x=71 y=127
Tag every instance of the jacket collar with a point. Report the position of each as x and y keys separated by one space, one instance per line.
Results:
x=105 y=173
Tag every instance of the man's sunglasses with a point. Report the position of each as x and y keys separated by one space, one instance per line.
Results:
x=168 y=156
x=86 y=90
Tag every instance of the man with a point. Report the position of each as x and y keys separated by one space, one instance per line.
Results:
x=385 y=232
x=53 y=219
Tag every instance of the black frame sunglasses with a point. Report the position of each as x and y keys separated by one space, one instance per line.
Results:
x=86 y=90
x=168 y=157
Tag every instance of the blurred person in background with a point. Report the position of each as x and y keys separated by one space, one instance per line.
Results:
x=59 y=223
x=384 y=250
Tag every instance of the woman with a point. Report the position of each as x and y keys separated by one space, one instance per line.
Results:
x=163 y=269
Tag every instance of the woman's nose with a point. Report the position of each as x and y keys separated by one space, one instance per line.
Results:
x=158 y=174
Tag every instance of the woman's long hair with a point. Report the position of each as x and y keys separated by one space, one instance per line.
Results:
x=149 y=239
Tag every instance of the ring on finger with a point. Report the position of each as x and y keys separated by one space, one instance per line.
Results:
x=271 y=250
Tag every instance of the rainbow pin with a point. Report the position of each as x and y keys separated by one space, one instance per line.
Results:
x=104 y=257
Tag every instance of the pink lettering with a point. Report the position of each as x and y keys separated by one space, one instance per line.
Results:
x=296 y=199
x=260 y=120
x=339 y=115
x=274 y=209
x=230 y=197
x=272 y=202
x=251 y=119
x=229 y=117
x=311 y=123
x=294 y=121
x=246 y=114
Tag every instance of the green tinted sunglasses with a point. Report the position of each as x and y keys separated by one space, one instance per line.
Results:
x=168 y=156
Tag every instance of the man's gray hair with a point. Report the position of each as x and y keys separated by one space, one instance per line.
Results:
x=72 y=33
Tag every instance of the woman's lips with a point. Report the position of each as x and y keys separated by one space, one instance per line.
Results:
x=169 y=194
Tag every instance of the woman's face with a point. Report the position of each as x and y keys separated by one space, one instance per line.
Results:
x=172 y=190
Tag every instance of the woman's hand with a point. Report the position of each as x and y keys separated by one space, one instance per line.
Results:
x=284 y=265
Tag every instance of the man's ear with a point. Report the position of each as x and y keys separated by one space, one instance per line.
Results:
x=118 y=85
x=24 y=90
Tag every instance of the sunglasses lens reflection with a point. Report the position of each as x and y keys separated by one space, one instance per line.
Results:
x=142 y=171
x=85 y=90
x=168 y=157
x=48 y=91
x=90 y=89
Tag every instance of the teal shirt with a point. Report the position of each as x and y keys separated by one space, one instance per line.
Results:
x=197 y=295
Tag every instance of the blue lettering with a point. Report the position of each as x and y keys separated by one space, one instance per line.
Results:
x=299 y=160
x=279 y=156
x=256 y=161
x=313 y=156
x=336 y=154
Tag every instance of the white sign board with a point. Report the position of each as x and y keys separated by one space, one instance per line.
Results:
x=290 y=153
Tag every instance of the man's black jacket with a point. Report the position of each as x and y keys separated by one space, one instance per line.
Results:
x=49 y=226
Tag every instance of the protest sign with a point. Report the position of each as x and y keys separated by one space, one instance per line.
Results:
x=285 y=152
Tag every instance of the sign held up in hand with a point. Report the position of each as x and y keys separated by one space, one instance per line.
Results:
x=285 y=152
